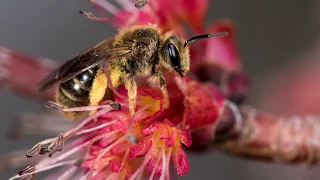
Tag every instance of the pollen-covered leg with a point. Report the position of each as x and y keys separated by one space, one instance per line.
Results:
x=158 y=76
x=98 y=89
x=131 y=86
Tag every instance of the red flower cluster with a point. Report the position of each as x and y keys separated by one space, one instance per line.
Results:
x=112 y=144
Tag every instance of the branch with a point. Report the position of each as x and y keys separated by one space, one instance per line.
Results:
x=270 y=137
x=20 y=73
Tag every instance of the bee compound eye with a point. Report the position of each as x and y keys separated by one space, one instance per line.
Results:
x=173 y=55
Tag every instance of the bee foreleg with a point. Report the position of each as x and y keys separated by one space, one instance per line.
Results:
x=158 y=76
x=131 y=86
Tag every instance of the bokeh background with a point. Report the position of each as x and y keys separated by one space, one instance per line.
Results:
x=272 y=36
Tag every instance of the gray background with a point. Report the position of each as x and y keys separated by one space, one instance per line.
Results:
x=271 y=34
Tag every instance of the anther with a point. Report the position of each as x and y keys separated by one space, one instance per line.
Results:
x=60 y=142
x=34 y=151
x=78 y=163
x=28 y=169
x=87 y=14
x=51 y=104
x=133 y=139
x=141 y=3
x=44 y=150
x=115 y=105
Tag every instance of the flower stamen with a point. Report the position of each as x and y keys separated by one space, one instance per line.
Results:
x=62 y=156
x=33 y=169
x=68 y=173
x=95 y=128
x=91 y=16
x=28 y=169
x=129 y=135
x=95 y=139
x=34 y=151
x=101 y=154
x=157 y=164
x=164 y=164
x=51 y=104
x=75 y=129
x=139 y=172
x=125 y=158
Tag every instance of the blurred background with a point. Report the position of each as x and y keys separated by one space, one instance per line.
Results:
x=277 y=39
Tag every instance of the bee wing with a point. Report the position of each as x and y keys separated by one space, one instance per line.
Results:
x=84 y=61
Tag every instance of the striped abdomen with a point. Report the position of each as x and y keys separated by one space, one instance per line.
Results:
x=75 y=92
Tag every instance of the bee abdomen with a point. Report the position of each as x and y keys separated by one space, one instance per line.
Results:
x=75 y=92
x=77 y=89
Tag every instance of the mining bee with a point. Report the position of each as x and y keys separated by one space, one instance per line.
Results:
x=140 y=50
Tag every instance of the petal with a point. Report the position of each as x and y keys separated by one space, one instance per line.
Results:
x=115 y=165
x=142 y=148
x=180 y=161
x=122 y=126
x=119 y=149
x=152 y=128
x=166 y=121
x=201 y=105
x=185 y=137
x=195 y=11
x=171 y=140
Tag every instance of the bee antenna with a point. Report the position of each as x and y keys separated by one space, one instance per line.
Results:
x=202 y=36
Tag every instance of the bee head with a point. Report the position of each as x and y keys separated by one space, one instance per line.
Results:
x=175 y=51
x=174 y=56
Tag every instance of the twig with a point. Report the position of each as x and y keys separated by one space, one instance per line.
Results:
x=270 y=137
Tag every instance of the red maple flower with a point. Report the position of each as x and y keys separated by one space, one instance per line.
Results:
x=113 y=144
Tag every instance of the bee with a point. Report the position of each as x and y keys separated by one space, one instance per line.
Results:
x=136 y=51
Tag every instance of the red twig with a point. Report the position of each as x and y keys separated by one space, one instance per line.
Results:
x=20 y=73
x=270 y=137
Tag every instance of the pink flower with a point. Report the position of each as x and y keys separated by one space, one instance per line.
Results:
x=111 y=143
x=162 y=141
x=108 y=138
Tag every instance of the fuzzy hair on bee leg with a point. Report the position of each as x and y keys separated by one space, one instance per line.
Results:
x=131 y=86
x=98 y=89
x=158 y=76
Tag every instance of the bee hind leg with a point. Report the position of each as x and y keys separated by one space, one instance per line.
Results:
x=98 y=89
